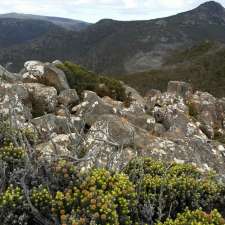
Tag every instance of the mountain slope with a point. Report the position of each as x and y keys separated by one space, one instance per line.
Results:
x=19 y=31
x=202 y=66
x=115 y=47
x=75 y=25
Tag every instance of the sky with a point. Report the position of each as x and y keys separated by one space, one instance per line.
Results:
x=94 y=10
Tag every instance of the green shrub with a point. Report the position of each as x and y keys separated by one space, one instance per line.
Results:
x=13 y=156
x=41 y=199
x=13 y=207
x=64 y=175
x=105 y=198
x=151 y=192
x=197 y=217
x=12 y=135
x=81 y=79
x=167 y=189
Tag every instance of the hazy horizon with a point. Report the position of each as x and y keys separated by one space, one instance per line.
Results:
x=94 y=10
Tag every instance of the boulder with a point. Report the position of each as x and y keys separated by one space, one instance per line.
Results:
x=220 y=110
x=134 y=94
x=57 y=62
x=42 y=98
x=164 y=100
x=92 y=108
x=151 y=100
x=171 y=111
x=68 y=97
x=9 y=77
x=159 y=129
x=108 y=142
x=202 y=106
x=59 y=146
x=143 y=121
x=207 y=156
x=62 y=112
x=12 y=103
x=55 y=77
x=45 y=73
x=180 y=88
x=49 y=124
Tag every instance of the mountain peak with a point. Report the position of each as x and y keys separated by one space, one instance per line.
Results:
x=212 y=6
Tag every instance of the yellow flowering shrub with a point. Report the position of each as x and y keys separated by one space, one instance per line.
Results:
x=167 y=189
x=197 y=217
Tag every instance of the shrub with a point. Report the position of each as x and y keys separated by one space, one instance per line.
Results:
x=197 y=217
x=13 y=156
x=13 y=207
x=41 y=199
x=12 y=135
x=64 y=175
x=81 y=79
x=105 y=198
x=167 y=189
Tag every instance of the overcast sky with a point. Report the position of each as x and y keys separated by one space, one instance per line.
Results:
x=94 y=10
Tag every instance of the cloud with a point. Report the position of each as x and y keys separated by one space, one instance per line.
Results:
x=93 y=10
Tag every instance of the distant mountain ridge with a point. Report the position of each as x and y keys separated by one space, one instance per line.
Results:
x=124 y=47
x=70 y=24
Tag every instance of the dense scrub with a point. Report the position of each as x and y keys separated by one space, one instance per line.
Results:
x=58 y=192
x=81 y=79
x=167 y=189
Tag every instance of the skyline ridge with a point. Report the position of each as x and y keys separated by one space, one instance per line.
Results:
x=157 y=9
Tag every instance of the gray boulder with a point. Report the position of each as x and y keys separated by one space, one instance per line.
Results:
x=50 y=124
x=202 y=106
x=92 y=108
x=9 y=77
x=180 y=88
x=68 y=97
x=59 y=146
x=12 y=103
x=108 y=142
x=42 y=98
x=45 y=73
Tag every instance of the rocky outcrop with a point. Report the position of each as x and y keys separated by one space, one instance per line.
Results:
x=45 y=73
x=107 y=143
x=209 y=111
x=178 y=125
